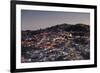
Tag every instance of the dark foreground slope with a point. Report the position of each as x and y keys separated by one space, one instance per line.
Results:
x=62 y=42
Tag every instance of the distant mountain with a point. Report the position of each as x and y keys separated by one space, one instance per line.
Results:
x=69 y=27
x=61 y=27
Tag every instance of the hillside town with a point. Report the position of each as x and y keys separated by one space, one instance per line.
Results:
x=57 y=43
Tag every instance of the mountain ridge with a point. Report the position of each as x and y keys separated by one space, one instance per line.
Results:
x=62 y=27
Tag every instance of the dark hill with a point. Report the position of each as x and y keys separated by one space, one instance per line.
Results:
x=77 y=28
x=69 y=27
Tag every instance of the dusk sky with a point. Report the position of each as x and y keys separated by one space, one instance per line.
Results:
x=33 y=20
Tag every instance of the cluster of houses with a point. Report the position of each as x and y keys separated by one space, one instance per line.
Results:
x=55 y=46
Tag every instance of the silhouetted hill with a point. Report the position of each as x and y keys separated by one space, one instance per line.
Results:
x=69 y=27
x=76 y=29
